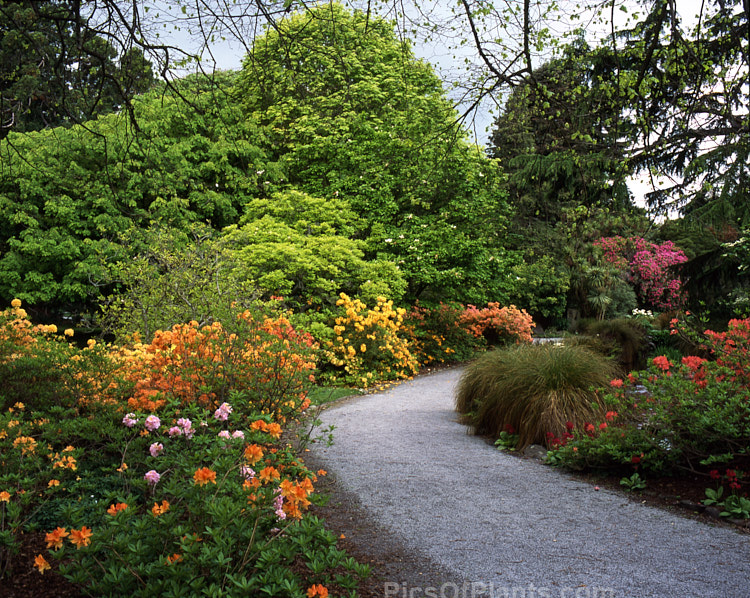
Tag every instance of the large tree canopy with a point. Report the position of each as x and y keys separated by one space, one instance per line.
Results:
x=349 y=111
x=685 y=105
x=67 y=193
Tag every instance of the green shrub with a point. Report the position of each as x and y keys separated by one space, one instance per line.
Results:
x=692 y=414
x=437 y=334
x=534 y=389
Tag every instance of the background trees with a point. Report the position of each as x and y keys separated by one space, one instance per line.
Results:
x=333 y=104
x=57 y=67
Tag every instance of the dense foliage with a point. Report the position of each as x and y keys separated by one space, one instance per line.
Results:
x=350 y=113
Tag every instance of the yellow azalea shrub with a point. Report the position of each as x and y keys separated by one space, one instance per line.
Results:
x=369 y=344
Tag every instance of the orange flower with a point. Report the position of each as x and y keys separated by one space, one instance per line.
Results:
x=322 y=472
x=274 y=430
x=258 y=425
x=174 y=558
x=80 y=537
x=317 y=590
x=251 y=484
x=160 y=509
x=53 y=483
x=269 y=473
x=204 y=475
x=253 y=454
x=55 y=539
x=4 y=496
x=116 y=508
x=41 y=563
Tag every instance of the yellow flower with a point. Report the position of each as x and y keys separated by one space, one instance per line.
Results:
x=363 y=347
x=69 y=332
x=41 y=564
x=20 y=406
x=16 y=303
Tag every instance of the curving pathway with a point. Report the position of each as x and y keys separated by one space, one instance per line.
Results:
x=499 y=524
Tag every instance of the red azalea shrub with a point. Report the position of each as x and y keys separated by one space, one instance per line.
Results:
x=647 y=265
x=671 y=416
x=732 y=348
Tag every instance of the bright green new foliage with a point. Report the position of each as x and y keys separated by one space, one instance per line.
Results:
x=350 y=113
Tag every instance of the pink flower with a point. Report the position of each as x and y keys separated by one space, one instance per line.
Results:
x=156 y=449
x=247 y=472
x=129 y=420
x=222 y=413
x=187 y=427
x=224 y=434
x=152 y=477
x=278 y=505
x=238 y=434
x=152 y=423
x=174 y=431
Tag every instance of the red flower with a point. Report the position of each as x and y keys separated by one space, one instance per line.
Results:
x=616 y=383
x=610 y=415
x=662 y=362
x=603 y=426
x=635 y=459
x=589 y=428
x=731 y=474
x=569 y=425
x=693 y=362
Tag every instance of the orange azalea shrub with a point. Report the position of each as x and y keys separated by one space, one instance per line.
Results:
x=499 y=325
x=264 y=359
x=39 y=366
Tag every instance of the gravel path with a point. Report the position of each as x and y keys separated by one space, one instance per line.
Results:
x=499 y=524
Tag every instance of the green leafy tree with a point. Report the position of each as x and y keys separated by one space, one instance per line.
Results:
x=67 y=193
x=566 y=180
x=292 y=245
x=349 y=112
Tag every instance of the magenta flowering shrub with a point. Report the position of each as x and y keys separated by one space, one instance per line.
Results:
x=648 y=267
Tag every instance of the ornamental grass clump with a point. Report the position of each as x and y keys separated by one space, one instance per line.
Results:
x=536 y=390
x=625 y=338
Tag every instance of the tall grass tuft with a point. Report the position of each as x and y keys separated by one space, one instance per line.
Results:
x=625 y=336
x=535 y=389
